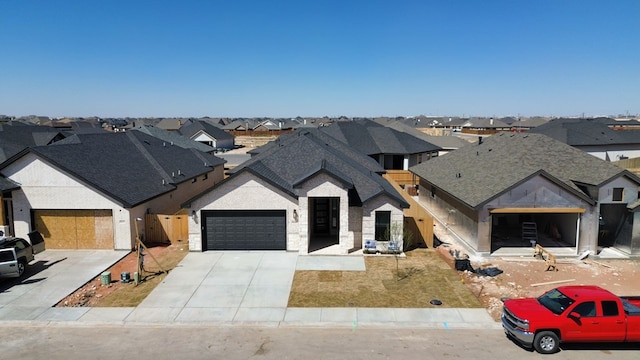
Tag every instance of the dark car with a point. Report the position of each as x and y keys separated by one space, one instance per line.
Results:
x=17 y=253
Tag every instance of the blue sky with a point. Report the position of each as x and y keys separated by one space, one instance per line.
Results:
x=274 y=58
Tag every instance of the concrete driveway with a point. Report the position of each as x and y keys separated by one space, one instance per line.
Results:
x=52 y=276
x=222 y=287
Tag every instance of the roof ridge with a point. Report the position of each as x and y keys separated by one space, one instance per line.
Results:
x=147 y=155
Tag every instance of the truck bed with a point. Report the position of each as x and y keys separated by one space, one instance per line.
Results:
x=631 y=305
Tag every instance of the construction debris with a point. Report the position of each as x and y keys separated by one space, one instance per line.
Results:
x=553 y=282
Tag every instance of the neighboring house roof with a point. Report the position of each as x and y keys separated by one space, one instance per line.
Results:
x=445 y=142
x=14 y=139
x=529 y=123
x=171 y=124
x=174 y=138
x=130 y=167
x=7 y=184
x=339 y=146
x=485 y=123
x=371 y=138
x=583 y=132
x=240 y=124
x=295 y=158
x=200 y=126
x=476 y=173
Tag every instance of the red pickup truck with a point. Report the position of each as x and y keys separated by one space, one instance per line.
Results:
x=572 y=314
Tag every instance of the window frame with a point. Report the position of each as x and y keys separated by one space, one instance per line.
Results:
x=382 y=224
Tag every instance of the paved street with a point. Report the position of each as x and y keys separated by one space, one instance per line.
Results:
x=70 y=342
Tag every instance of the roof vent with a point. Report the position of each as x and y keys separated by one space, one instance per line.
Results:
x=163 y=182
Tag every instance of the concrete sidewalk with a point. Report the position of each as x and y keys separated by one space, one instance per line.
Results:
x=252 y=288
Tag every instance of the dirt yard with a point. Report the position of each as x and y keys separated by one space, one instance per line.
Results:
x=118 y=293
x=528 y=276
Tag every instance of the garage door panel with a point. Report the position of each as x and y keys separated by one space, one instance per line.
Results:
x=103 y=225
x=75 y=229
x=245 y=230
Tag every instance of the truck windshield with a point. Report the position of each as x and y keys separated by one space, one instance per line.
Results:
x=555 y=301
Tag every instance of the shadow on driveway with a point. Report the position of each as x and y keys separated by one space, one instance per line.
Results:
x=31 y=270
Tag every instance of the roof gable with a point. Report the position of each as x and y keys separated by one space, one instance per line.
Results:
x=476 y=173
x=130 y=167
x=302 y=155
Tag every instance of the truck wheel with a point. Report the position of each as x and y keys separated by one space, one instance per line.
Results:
x=546 y=342
x=22 y=265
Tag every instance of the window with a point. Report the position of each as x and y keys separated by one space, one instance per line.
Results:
x=617 y=194
x=586 y=309
x=609 y=308
x=7 y=255
x=383 y=223
x=21 y=244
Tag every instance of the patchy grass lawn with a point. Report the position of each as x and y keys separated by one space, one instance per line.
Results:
x=421 y=277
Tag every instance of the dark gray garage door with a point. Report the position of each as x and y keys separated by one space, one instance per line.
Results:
x=244 y=230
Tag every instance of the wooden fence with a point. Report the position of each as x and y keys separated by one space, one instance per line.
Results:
x=632 y=165
x=159 y=228
x=417 y=219
x=402 y=177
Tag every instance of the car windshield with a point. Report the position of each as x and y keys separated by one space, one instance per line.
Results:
x=555 y=301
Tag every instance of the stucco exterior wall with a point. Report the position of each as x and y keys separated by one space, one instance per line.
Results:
x=244 y=192
x=474 y=229
x=612 y=151
x=45 y=187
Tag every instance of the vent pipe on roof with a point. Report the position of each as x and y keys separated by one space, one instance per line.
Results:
x=479 y=140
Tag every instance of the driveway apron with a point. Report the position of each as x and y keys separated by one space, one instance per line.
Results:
x=52 y=276
x=233 y=286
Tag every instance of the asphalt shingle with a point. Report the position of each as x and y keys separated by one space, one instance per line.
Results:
x=476 y=173
x=129 y=167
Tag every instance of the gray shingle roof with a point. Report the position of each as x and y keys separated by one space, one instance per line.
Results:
x=445 y=142
x=130 y=167
x=582 y=132
x=174 y=138
x=189 y=130
x=476 y=173
x=7 y=184
x=372 y=138
x=292 y=159
x=14 y=139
